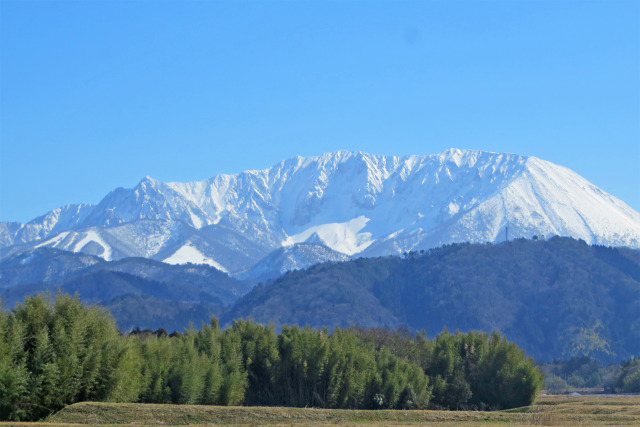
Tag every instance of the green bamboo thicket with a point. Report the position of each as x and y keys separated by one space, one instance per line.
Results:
x=57 y=351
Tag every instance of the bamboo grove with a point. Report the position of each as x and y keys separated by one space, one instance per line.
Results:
x=54 y=353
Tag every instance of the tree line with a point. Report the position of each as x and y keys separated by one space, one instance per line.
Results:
x=54 y=352
x=628 y=381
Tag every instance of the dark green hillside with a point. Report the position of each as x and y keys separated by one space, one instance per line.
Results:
x=556 y=299
x=147 y=311
x=204 y=277
x=330 y=294
x=133 y=300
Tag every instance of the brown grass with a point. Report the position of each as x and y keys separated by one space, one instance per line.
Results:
x=549 y=411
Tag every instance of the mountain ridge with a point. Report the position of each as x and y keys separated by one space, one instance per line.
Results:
x=354 y=203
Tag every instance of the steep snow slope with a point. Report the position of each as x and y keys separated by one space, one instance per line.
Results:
x=354 y=203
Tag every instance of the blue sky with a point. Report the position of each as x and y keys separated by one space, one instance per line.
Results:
x=95 y=95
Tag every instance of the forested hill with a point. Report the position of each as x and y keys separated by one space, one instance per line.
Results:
x=556 y=299
x=138 y=292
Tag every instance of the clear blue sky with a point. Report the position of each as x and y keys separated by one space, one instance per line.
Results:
x=95 y=95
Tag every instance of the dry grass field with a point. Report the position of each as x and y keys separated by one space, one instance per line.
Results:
x=549 y=410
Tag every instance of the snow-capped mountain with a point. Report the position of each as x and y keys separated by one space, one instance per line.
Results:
x=354 y=203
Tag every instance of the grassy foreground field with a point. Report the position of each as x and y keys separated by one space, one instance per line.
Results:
x=549 y=410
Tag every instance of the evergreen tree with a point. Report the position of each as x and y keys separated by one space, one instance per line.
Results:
x=187 y=371
x=14 y=376
x=260 y=359
x=350 y=366
x=157 y=354
x=128 y=380
x=302 y=363
x=62 y=352
x=234 y=376
x=207 y=341
x=508 y=379
x=628 y=380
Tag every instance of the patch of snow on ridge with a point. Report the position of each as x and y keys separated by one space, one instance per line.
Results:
x=54 y=241
x=340 y=236
x=92 y=236
x=189 y=254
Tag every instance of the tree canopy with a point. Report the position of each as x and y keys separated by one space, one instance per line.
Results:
x=57 y=351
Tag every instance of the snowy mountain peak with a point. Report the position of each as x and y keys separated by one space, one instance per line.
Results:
x=351 y=202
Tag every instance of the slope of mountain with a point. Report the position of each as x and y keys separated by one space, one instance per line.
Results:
x=330 y=294
x=202 y=277
x=354 y=203
x=51 y=223
x=289 y=258
x=133 y=301
x=139 y=291
x=556 y=299
x=43 y=265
